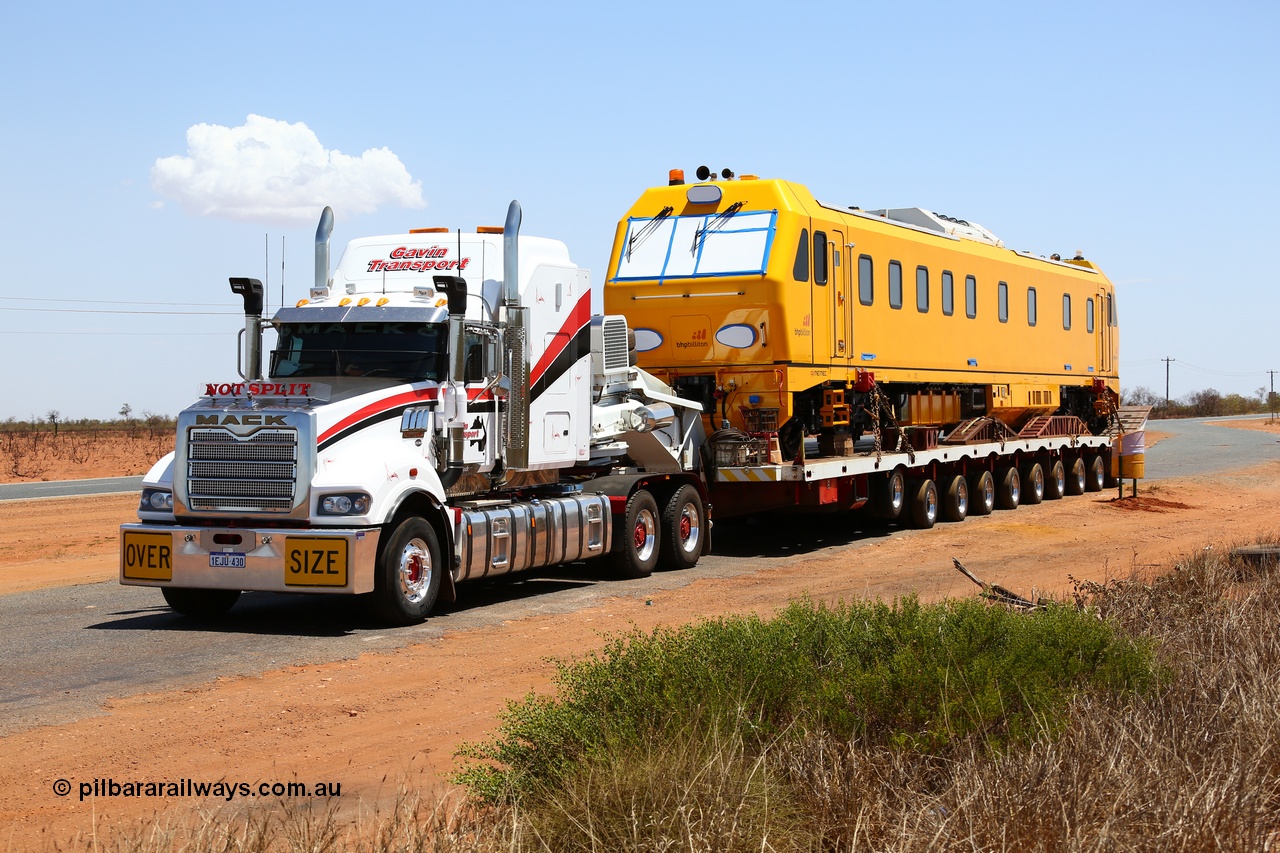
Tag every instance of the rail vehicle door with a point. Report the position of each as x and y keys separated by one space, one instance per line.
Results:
x=841 y=306
x=817 y=324
x=1103 y=318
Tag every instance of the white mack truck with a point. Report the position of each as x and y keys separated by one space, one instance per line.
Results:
x=443 y=408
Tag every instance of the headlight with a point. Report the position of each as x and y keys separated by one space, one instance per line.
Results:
x=355 y=503
x=156 y=500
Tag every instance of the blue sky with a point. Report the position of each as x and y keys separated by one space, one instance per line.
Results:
x=1142 y=133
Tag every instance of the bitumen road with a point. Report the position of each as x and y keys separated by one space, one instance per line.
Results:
x=69 y=488
x=69 y=649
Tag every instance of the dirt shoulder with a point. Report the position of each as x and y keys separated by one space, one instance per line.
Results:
x=383 y=720
x=1255 y=424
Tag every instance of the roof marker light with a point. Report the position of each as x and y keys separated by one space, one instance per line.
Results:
x=383 y=301
x=344 y=302
x=488 y=229
x=301 y=302
x=428 y=230
x=364 y=300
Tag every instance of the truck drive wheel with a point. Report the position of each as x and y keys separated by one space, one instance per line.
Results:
x=407 y=579
x=1055 y=481
x=1076 y=482
x=639 y=537
x=955 y=503
x=1033 y=484
x=1009 y=489
x=200 y=603
x=682 y=529
x=924 y=504
x=982 y=488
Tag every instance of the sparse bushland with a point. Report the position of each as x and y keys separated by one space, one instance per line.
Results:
x=57 y=449
x=1144 y=714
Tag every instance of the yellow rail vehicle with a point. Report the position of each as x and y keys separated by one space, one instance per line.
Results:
x=776 y=310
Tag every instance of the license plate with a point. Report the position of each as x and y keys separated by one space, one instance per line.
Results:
x=147 y=556
x=315 y=561
x=226 y=560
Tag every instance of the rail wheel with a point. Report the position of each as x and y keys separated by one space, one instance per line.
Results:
x=982 y=488
x=924 y=504
x=1009 y=489
x=639 y=536
x=889 y=494
x=1055 y=481
x=682 y=529
x=1033 y=484
x=955 y=502
x=408 y=577
x=1096 y=476
x=200 y=603
x=1076 y=482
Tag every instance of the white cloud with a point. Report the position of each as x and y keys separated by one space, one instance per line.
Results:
x=274 y=172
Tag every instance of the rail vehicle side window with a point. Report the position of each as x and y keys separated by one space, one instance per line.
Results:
x=800 y=272
x=1066 y=310
x=1031 y=306
x=820 y=257
x=948 y=294
x=1088 y=316
x=922 y=290
x=1003 y=301
x=970 y=297
x=1112 y=319
x=866 y=280
x=895 y=284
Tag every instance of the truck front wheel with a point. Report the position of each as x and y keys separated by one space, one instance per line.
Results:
x=200 y=603
x=407 y=580
x=639 y=536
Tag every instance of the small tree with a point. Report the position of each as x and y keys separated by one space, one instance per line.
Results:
x=53 y=417
x=125 y=411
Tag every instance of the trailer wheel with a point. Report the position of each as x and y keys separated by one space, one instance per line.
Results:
x=1009 y=489
x=407 y=580
x=1076 y=482
x=955 y=504
x=1033 y=484
x=640 y=538
x=889 y=494
x=1096 y=477
x=1055 y=482
x=982 y=486
x=200 y=603
x=924 y=505
x=682 y=529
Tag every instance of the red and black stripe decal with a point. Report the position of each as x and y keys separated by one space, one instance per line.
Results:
x=571 y=343
x=391 y=408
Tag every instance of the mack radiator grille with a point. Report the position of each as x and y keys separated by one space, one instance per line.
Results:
x=228 y=473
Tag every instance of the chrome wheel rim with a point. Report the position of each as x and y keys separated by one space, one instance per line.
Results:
x=415 y=571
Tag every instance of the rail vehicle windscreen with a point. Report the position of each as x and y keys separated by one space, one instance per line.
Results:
x=707 y=245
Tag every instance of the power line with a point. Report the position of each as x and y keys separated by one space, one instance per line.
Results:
x=113 y=311
x=113 y=302
x=123 y=334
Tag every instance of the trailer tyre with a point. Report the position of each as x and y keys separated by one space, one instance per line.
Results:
x=1033 y=484
x=924 y=505
x=982 y=491
x=955 y=504
x=683 y=528
x=200 y=603
x=1076 y=482
x=1009 y=489
x=1096 y=477
x=640 y=538
x=889 y=495
x=1055 y=482
x=407 y=580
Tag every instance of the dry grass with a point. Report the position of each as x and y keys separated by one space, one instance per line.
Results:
x=1191 y=765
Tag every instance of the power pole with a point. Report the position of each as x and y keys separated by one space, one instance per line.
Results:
x=1166 y=380
x=1271 y=398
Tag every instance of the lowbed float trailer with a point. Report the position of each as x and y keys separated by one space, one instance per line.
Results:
x=946 y=482
x=443 y=408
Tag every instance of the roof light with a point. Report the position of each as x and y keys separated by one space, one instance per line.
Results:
x=488 y=229
x=675 y=177
x=301 y=302
x=428 y=230
x=383 y=301
x=344 y=301
x=364 y=300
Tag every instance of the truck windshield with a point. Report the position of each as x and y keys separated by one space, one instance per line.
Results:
x=413 y=352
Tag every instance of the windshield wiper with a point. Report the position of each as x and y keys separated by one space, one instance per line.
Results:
x=714 y=225
x=640 y=236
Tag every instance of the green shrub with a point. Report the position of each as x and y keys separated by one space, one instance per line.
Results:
x=902 y=675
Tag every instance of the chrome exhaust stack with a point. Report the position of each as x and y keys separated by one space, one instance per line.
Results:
x=516 y=340
x=323 y=231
